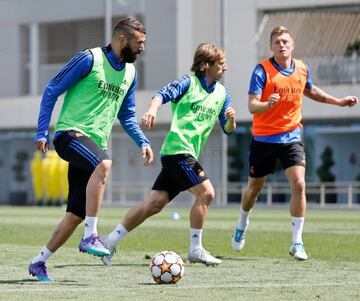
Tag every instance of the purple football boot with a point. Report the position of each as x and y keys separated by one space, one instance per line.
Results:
x=93 y=246
x=39 y=270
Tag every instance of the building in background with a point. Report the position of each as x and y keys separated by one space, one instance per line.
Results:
x=37 y=37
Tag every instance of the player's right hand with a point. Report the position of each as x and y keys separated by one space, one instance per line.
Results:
x=273 y=99
x=230 y=113
x=42 y=145
x=148 y=120
x=147 y=154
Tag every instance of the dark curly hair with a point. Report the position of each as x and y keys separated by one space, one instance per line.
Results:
x=128 y=27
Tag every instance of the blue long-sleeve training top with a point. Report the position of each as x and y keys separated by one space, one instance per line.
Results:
x=175 y=90
x=75 y=70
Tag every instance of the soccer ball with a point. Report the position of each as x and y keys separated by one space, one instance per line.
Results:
x=167 y=267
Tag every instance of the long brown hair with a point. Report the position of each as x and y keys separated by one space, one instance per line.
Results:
x=206 y=54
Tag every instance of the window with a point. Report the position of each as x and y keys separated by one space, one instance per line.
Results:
x=331 y=60
x=60 y=41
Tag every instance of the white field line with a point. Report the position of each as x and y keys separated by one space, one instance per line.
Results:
x=47 y=287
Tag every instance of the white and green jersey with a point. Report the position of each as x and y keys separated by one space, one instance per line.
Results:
x=194 y=117
x=92 y=104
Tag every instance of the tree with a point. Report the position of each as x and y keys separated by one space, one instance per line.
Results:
x=236 y=164
x=353 y=48
x=324 y=172
x=18 y=195
x=19 y=166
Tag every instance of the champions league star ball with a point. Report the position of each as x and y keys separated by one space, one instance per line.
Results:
x=167 y=267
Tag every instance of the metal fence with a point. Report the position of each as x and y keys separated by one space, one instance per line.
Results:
x=345 y=194
x=334 y=69
x=319 y=194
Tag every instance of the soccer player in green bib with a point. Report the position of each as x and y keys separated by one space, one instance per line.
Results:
x=100 y=86
x=197 y=101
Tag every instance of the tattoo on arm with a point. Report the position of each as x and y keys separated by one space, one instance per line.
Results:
x=317 y=94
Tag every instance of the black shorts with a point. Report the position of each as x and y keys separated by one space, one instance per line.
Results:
x=83 y=155
x=263 y=156
x=179 y=173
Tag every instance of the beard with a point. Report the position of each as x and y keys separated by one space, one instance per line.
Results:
x=128 y=54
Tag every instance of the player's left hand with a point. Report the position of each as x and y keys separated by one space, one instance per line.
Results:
x=348 y=101
x=147 y=154
x=230 y=113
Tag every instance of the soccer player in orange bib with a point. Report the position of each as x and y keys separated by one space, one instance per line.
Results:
x=275 y=100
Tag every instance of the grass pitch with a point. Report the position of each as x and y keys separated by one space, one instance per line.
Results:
x=262 y=271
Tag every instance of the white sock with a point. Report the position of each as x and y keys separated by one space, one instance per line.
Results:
x=43 y=255
x=90 y=226
x=195 y=239
x=243 y=219
x=118 y=234
x=297 y=229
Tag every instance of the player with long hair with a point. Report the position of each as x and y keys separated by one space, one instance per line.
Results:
x=197 y=101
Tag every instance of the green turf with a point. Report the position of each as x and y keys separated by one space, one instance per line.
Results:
x=262 y=271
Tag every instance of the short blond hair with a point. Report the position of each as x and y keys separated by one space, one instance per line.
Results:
x=278 y=31
x=206 y=53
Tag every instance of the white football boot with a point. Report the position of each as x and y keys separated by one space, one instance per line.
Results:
x=297 y=250
x=202 y=256
x=107 y=259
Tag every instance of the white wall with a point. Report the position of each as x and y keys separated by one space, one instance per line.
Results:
x=9 y=59
x=161 y=46
x=314 y=110
x=27 y=11
x=240 y=49
x=174 y=30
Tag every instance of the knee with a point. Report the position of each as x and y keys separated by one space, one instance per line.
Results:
x=157 y=207
x=298 y=186
x=76 y=222
x=253 y=192
x=207 y=196
x=72 y=220
x=156 y=204
x=104 y=168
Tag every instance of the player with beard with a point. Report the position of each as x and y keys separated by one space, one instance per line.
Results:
x=100 y=85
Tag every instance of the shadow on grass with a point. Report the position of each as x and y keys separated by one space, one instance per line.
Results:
x=71 y=282
x=77 y=265
x=131 y=265
x=20 y=281
x=226 y=258
x=235 y=258
x=153 y=284
x=101 y=265
x=33 y=281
